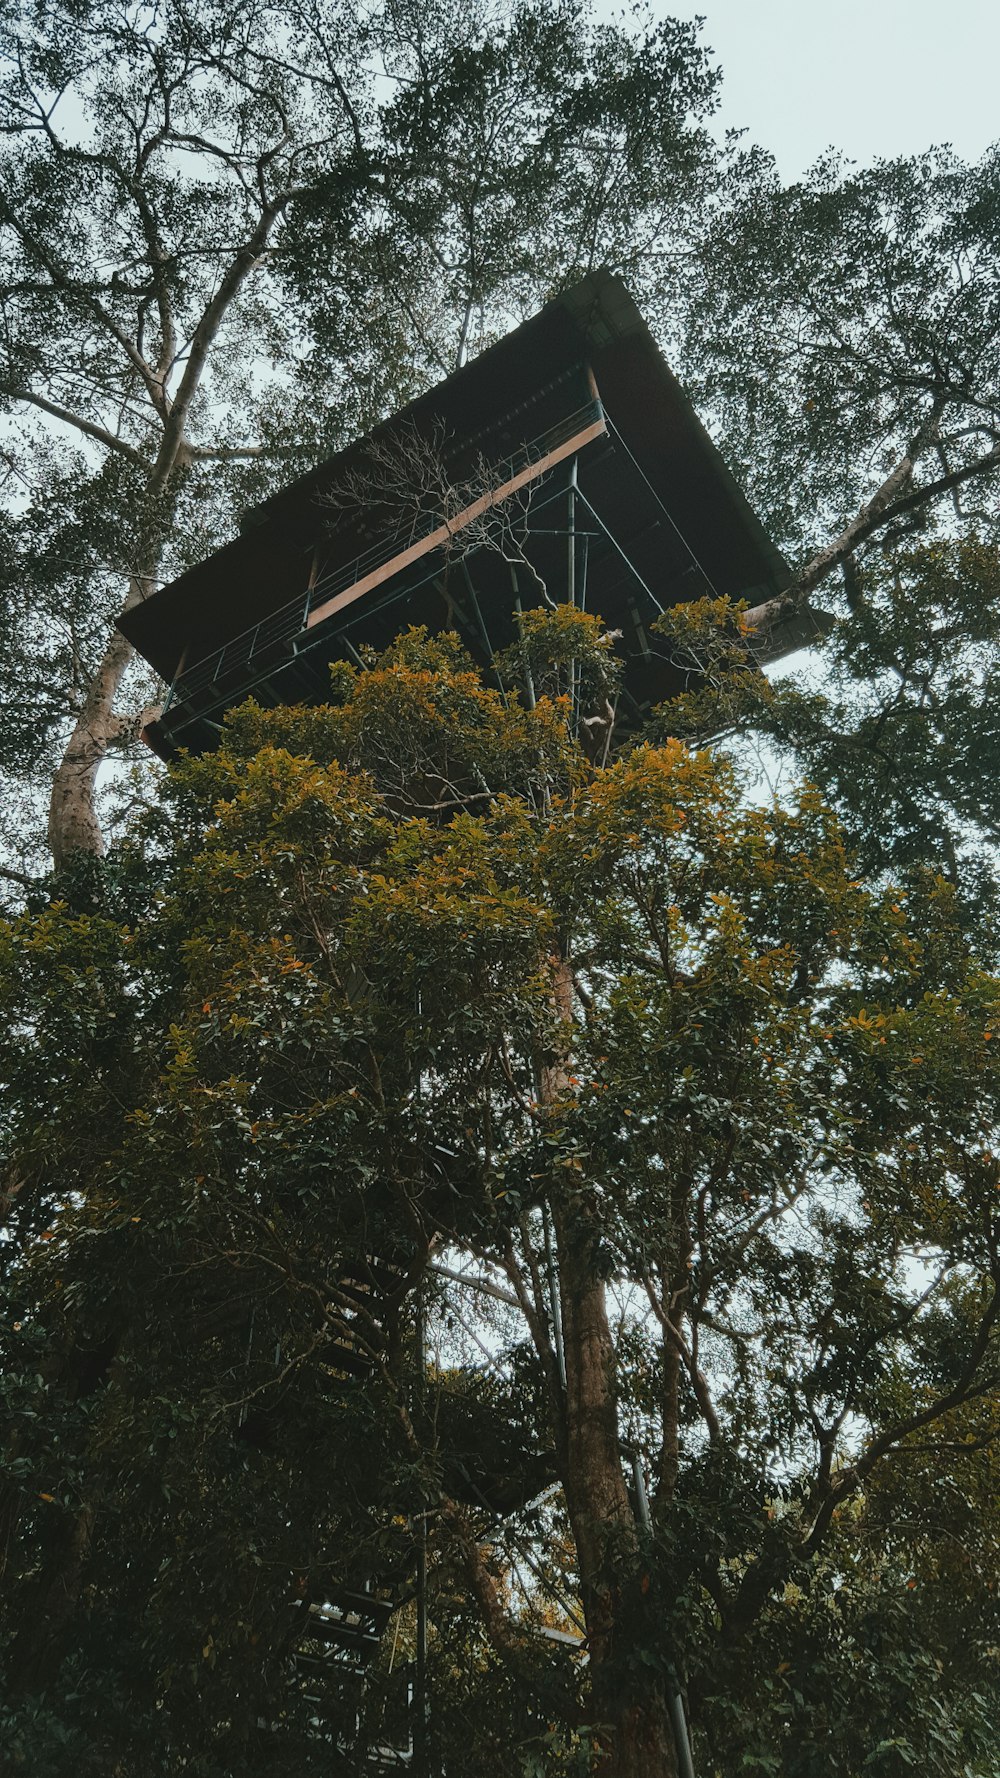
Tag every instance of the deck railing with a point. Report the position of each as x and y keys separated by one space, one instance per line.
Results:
x=248 y=654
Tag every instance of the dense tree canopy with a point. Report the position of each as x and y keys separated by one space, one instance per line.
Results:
x=233 y=236
x=230 y=238
x=422 y=1145
x=408 y=977
x=846 y=323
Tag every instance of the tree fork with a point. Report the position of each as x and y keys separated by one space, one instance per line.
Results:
x=73 y=823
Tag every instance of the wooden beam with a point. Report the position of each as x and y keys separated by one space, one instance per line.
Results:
x=440 y=535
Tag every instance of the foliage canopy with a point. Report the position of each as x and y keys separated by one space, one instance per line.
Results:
x=415 y=1130
x=408 y=977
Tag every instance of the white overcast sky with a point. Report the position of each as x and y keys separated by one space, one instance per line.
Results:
x=871 y=77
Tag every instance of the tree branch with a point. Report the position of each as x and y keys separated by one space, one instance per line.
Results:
x=240 y=267
x=238 y=453
x=19 y=877
x=502 y=1635
x=964 y=1390
x=64 y=285
x=89 y=427
x=880 y=510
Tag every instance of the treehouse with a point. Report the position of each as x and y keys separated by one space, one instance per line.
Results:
x=564 y=464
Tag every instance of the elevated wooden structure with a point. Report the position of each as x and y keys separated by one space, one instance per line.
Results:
x=565 y=464
x=573 y=427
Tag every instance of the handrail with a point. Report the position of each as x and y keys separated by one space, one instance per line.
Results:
x=290 y=621
x=504 y=469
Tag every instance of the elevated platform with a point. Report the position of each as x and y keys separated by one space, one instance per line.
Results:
x=565 y=463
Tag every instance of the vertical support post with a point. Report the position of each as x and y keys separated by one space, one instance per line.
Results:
x=474 y=601
x=421 y=1760
x=571 y=584
x=178 y=672
x=571 y=535
x=518 y=615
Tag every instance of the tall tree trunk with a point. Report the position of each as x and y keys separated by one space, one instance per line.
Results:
x=73 y=822
x=628 y=1701
x=629 y=1704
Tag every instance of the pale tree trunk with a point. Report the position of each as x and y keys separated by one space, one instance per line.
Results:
x=73 y=820
x=628 y=1702
x=629 y=1705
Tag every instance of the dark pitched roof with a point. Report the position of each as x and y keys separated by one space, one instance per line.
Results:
x=582 y=382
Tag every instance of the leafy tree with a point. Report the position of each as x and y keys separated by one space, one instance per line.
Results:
x=902 y=733
x=233 y=236
x=669 y=1120
x=896 y=719
x=843 y=333
x=641 y=1088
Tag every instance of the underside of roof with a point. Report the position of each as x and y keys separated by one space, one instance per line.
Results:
x=570 y=437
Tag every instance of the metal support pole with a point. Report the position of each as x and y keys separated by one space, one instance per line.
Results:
x=574 y=682
x=675 y=1703
x=474 y=600
x=678 y=1723
x=421 y=1760
x=612 y=539
x=571 y=536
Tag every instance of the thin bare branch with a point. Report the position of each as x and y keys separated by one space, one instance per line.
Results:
x=89 y=428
